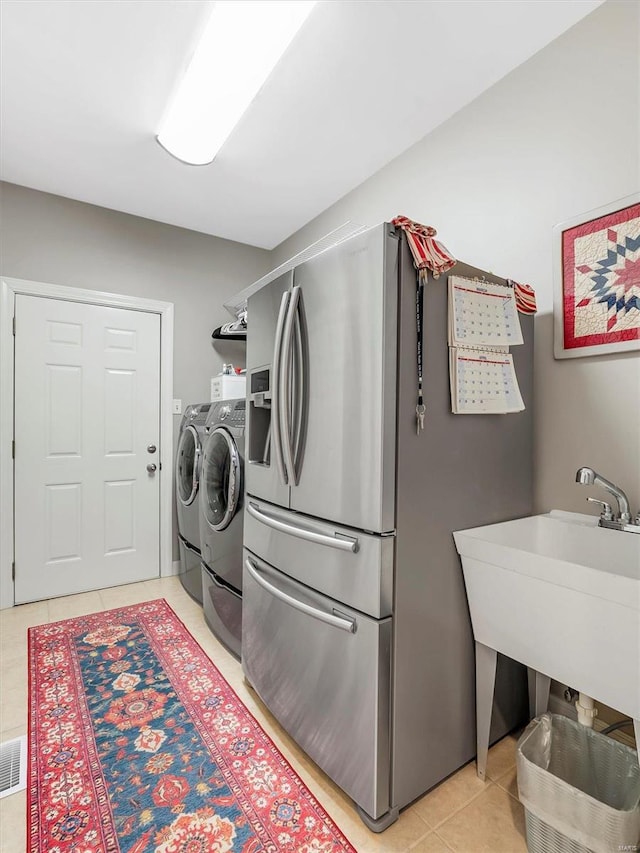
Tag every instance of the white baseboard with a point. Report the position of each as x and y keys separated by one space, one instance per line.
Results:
x=173 y=568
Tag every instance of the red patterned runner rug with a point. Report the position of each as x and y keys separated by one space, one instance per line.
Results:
x=137 y=744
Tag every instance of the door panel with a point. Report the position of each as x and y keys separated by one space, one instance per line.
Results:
x=63 y=423
x=323 y=670
x=349 y=303
x=64 y=333
x=119 y=411
x=87 y=382
x=263 y=477
x=119 y=516
x=63 y=522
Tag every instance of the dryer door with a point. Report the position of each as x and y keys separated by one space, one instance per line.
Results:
x=221 y=476
x=188 y=466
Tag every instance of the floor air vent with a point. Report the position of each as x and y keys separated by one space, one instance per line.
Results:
x=13 y=766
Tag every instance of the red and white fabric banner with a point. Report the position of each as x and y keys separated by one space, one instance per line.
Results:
x=525 y=298
x=428 y=253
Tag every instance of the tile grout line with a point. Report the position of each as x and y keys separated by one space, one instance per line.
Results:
x=102 y=604
x=422 y=837
x=468 y=802
x=440 y=838
x=517 y=799
x=496 y=782
x=493 y=784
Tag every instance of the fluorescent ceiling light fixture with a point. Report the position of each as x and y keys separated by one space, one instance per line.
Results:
x=241 y=44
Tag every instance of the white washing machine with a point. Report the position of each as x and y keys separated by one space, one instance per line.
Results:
x=188 y=465
x=221 y=520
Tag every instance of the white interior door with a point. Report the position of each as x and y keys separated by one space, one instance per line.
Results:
x=87 y=407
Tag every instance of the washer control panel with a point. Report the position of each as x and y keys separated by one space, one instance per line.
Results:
x=231 y=413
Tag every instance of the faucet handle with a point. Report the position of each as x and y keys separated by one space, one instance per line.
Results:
x=607 y=513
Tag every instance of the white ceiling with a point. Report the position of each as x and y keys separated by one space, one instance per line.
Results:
x=84 y=84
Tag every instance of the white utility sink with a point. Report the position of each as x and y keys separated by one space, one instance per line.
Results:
x=561 y=595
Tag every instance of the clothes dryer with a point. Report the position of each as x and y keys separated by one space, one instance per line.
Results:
x=188 y=464
x=221 y=520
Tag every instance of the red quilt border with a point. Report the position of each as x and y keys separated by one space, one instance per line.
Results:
x=568 y=281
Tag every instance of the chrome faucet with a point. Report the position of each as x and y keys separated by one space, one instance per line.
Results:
x=622 y=521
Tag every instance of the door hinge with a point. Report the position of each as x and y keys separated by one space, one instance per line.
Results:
x=13 y=325
x=13 y=449
x=13 y=571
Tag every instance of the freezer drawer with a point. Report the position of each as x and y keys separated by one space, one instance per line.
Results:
x=348 y=565
x=324 y=672
x=222 y=611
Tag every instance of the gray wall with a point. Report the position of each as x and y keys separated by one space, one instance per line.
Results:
x=52 y=239
x=556 y=137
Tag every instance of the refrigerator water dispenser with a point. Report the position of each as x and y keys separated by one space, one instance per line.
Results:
x=260 y=417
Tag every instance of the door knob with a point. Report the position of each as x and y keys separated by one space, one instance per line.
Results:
x=151 y=448
x=151 y=467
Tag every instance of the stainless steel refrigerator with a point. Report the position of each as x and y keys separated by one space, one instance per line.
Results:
x=356 y=632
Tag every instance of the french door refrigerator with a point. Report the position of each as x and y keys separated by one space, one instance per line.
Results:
x=356 y=631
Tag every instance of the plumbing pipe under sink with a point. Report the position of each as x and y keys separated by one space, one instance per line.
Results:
x=587 y=712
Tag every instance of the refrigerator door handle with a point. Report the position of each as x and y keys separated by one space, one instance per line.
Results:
x=299 y=392
x=276 y=390
x=342 y=544
x=332 y=619
x=284 y=388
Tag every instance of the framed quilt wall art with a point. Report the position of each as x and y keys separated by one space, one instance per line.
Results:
x=596 y=304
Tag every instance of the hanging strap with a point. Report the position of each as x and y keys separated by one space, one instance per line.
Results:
x=428 y=254
x=420 y=407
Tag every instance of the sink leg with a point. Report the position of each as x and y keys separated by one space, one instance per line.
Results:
x=531 y=681
x=543 y=689
x=486 y=659
x=539 y=689
x=636 y=731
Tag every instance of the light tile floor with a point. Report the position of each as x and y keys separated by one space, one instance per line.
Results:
x=463 y=814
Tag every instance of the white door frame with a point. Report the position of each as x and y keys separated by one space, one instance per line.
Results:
x=10 y=288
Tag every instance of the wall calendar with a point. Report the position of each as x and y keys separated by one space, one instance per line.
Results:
x=483 y=323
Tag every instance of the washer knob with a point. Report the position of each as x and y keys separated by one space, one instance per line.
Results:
x=225 y=411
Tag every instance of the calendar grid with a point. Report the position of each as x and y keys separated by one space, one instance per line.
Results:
x=483 y=322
